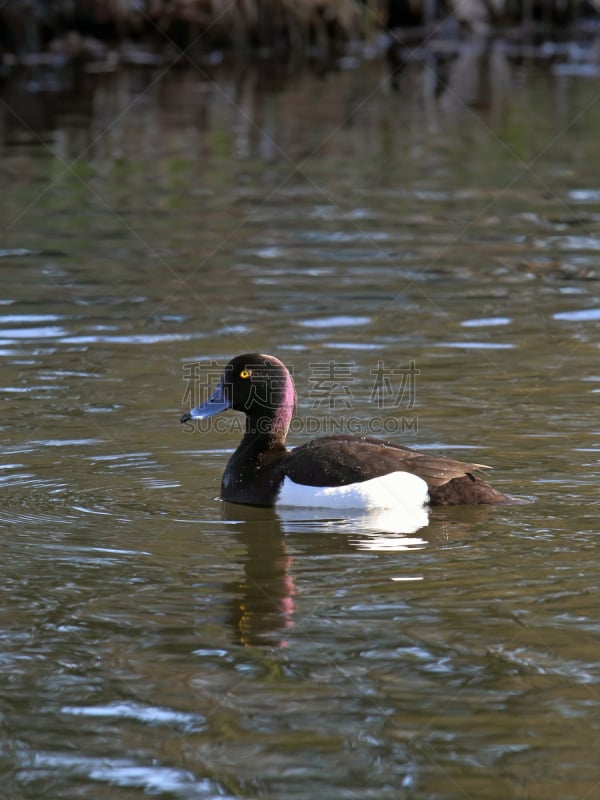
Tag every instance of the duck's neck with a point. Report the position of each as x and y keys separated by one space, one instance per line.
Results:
x=263 y=444
x=270 y=427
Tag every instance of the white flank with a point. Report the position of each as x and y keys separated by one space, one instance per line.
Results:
x=399 y=491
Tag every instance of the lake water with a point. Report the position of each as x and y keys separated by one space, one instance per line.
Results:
x=424 y=253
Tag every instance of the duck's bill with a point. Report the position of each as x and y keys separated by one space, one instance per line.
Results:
x=216 y=403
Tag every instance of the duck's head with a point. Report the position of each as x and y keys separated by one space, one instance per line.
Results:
x=260 y=386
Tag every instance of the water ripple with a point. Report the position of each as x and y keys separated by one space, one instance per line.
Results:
x=338 y=321
x=582 y=315
x=153 y=715
x=485 y=322
x=46 y=332
x=126 y=773
x=477 y=345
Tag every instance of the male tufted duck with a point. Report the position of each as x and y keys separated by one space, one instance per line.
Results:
x=342 y=471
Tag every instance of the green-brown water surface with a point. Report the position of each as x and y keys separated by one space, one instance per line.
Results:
x=156 y=643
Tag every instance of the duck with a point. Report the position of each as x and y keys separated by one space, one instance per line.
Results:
x=335 y=471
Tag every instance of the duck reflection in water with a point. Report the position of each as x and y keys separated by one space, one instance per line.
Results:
x=263 y=607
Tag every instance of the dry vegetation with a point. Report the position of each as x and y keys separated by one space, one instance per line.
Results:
x=273 y=25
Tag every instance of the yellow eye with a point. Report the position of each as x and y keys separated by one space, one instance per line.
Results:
x=245 y=373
